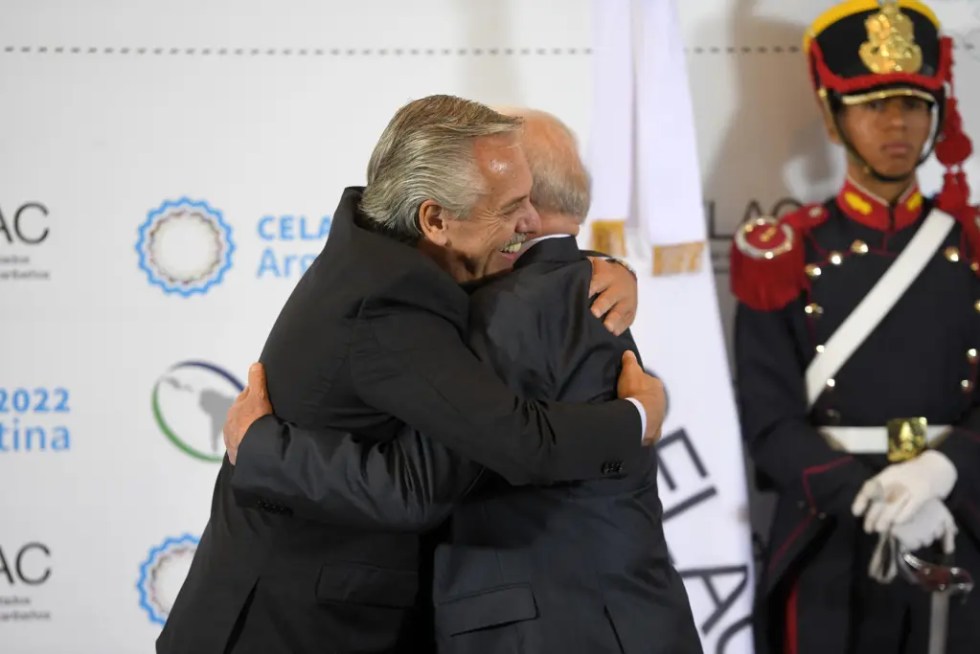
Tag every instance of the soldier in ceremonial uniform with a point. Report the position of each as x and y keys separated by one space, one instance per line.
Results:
x=856 y=342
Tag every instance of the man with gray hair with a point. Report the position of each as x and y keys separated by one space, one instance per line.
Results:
x=368 y=347
x=573 y=567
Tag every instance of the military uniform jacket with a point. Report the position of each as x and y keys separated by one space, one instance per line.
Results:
x=921 y=360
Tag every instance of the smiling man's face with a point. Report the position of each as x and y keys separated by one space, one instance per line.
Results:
x=488 y=240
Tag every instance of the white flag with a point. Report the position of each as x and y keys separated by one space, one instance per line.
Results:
x=643 y=160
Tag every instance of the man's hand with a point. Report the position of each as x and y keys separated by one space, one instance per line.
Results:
x=932 y=523
x=616 y=288
x=896 y=493
x=250 y=405
x=647 y=390
x=929 y=524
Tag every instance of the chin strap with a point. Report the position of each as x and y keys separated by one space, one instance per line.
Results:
x=942 y=110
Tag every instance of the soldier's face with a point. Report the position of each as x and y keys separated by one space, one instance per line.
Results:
x=889 y=134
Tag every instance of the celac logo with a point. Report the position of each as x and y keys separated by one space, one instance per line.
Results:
x=163 y=573
x=190 y=402
x=185 y=247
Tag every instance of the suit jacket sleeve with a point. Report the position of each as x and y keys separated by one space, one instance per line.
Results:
x=409 y=363
x=409 y=483
x=788 y=451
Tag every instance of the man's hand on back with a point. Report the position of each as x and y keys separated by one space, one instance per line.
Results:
x=616 y=288
x=635 y=383
x=250 y=405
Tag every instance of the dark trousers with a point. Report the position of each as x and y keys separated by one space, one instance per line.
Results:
x=831 y=605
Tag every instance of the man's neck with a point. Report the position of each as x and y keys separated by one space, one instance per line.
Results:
x=557 y=224
x=445 y=260
x=887 y=192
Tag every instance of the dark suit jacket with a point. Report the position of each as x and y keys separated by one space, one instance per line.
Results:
x=577 y=567
x=370 y=340
x=574 y=567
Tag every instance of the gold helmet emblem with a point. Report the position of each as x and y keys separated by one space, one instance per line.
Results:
x=891 y=46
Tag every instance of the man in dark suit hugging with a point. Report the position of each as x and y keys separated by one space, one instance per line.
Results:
x=367 y=353
x=567 y=567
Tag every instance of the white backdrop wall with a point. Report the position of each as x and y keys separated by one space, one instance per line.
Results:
x=260 y=113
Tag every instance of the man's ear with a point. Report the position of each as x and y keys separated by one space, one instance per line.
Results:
x=832 y=132
x=434 y=222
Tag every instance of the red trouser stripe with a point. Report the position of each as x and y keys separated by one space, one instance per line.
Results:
x=791 y=646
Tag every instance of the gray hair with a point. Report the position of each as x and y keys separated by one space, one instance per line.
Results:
x=561 y=182
x=426 y=153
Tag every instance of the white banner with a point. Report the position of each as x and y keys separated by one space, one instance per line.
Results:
x=642 y=90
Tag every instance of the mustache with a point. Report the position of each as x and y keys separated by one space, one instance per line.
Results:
x=516 y=240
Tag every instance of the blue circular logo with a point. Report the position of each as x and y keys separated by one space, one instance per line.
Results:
x=163 y=573
x=185 y=247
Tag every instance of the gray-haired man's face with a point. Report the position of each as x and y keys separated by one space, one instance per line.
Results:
x=489 y=239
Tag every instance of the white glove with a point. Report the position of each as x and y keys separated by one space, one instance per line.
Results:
x=930 y=523
x=896 y=493
x=882 y=567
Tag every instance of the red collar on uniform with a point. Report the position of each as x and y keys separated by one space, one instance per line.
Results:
x=870 y=210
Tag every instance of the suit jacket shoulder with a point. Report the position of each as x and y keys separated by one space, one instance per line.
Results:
x=536 y=328
x=382 y=272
